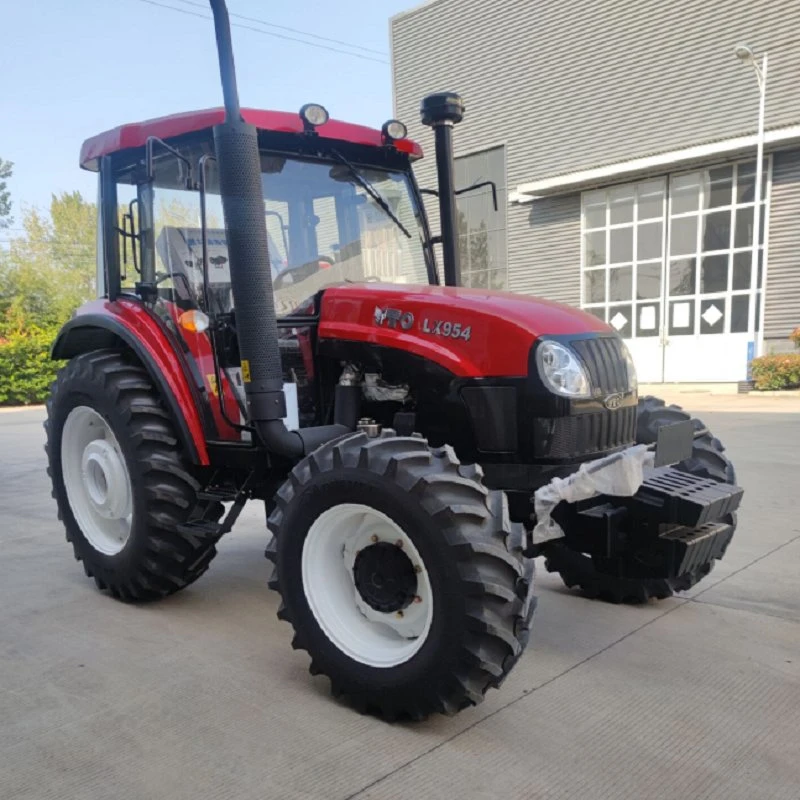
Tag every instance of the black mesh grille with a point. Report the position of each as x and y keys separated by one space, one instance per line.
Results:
x=605 y=359
x=584 y=434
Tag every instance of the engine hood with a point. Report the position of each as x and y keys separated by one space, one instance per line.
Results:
x=470 y=332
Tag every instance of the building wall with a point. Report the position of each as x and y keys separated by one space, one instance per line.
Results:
x=590 y=82
x=544 y=243
x=567 y=86
x=782 y=300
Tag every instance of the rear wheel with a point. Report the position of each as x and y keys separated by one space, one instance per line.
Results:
x=401 y=575
x=120 y=482
x=708 y=460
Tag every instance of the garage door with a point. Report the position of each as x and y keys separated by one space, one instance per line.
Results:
x=667 y=263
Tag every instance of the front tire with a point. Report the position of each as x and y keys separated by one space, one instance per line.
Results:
x=120 y=481
x=708 y=460
x=401 y=575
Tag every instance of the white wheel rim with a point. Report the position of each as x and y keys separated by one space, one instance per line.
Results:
x=96 y=480
x=372 y=637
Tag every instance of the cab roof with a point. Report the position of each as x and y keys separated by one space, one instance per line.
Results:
x=136 y=134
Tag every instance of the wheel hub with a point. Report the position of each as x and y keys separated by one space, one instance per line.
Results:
x=105 y=478
x=384 y=577
x=367 y=585
x=96 y=480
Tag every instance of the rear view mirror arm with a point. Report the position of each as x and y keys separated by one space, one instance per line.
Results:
x=472 y=188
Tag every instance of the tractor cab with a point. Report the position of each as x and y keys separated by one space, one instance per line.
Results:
x=340 y=205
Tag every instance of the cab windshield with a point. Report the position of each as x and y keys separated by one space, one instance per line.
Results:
x=327 y=222
x=326 y=225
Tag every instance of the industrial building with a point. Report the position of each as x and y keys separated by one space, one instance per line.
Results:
x=622 y=138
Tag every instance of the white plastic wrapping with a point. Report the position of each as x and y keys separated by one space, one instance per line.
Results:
x=620 y=474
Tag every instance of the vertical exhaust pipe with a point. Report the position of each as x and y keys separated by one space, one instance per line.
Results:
x=441 y=111
x=239 y=165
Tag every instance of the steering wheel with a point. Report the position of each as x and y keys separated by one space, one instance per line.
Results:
x=297 y=274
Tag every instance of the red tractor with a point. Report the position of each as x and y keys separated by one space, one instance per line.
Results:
x=271 y=325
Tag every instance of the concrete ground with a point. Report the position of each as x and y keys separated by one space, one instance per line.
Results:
x=201 y=696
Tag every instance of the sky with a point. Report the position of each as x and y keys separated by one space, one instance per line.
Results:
x=69 y=70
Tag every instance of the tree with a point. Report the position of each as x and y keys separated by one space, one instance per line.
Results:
x=6 y=168
x=44 y=275
x=50 y=270
x=73 y=246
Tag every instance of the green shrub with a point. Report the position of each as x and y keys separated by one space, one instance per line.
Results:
x=777 y=371
x=26 y=370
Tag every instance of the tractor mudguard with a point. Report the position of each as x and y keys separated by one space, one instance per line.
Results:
x=101 y=324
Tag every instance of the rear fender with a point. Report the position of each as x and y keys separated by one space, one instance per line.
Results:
x=101 y=324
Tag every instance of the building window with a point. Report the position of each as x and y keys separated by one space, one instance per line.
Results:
x=673 y=255
x=623 y=255
x=481 y=229
x=711 y=285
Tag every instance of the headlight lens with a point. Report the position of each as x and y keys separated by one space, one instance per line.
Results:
x=633 y=381
x=314 y=114
x=561 y=370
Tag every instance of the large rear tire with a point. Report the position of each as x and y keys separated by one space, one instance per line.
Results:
x=401 y=575
x=708 y=460
x=120 y=481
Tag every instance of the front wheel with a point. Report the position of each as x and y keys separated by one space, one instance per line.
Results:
x=401 y=575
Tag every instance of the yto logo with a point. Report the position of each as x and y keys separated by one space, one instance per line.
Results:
x=613 y=401
x=393 y=318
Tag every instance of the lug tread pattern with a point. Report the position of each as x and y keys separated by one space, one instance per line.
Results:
x=496 y=582
x=170 y=560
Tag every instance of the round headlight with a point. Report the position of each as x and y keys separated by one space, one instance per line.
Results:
x=561 y=370
x=314 y=114
x=394 y=129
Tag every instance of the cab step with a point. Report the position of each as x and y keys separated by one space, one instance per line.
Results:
x=222 y=494
x=202 y=528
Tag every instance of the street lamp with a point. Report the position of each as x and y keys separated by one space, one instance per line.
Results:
x=746 y=56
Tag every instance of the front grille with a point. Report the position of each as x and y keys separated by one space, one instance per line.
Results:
x=604 y=357
x=584 y=434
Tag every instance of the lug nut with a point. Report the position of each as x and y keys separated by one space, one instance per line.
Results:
x=374 y=538
x=398 y=543
x=417 y=568
x=400 y=614
x=417 y=598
